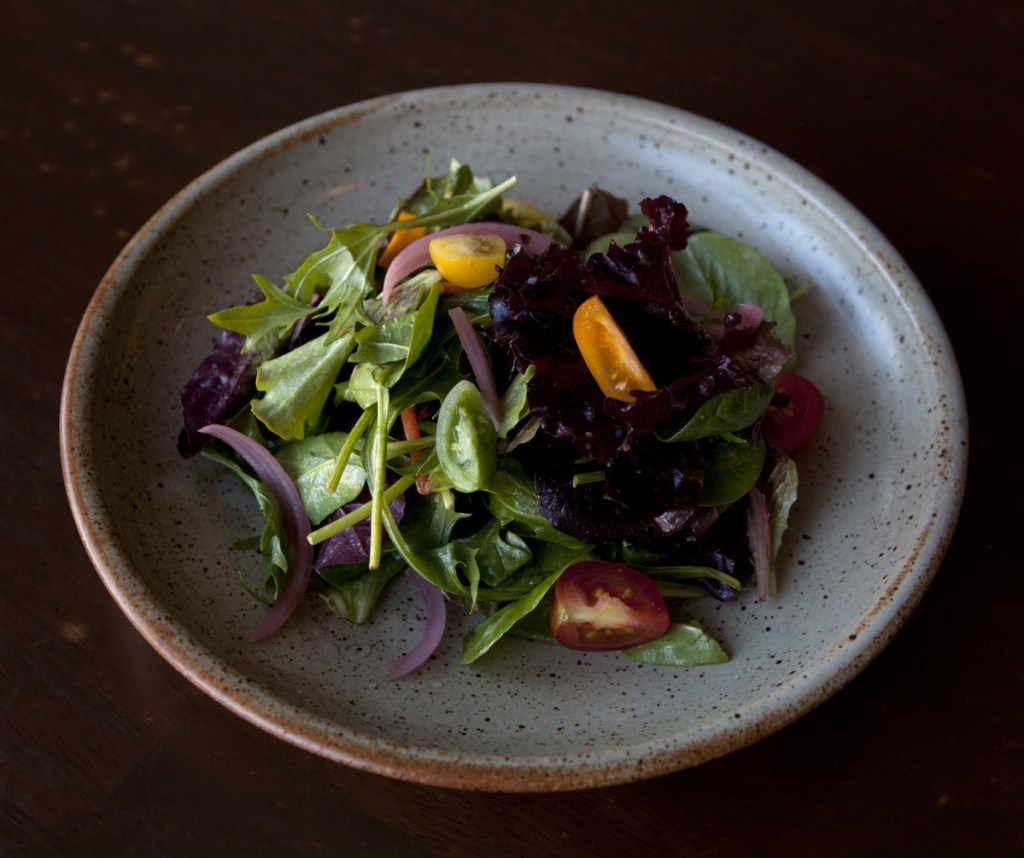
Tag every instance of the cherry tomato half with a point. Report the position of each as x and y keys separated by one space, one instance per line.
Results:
x=400 y=239
x=792 y=423
x=468 y=261
x=607 y=352
x=606 y=606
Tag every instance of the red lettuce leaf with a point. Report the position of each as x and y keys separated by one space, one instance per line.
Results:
x=222 y=384
x=353 y=544
x=650 y=490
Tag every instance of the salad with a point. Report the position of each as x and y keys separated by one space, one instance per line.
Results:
x=568 y=428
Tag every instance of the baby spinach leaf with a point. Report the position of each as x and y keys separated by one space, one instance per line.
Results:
x=689 y=573
x=536 y=625
x=731 y=471
x=685 y=644
x=439 y=562
x=515 y=506
x=726 y=272
x=725 y=412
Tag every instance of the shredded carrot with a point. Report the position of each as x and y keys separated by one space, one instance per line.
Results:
x=411 y=427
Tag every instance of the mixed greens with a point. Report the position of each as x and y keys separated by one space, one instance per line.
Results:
x=605 y=391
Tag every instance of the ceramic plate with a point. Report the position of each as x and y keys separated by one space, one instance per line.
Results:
x=880 y=486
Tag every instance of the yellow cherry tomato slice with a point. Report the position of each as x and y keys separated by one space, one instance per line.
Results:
x=466 y=260
x=607 y=353
x=400 y=239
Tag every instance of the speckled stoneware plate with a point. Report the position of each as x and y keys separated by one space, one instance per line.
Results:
x=880 y=486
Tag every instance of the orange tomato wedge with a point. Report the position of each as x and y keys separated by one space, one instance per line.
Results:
x=468 y=261
x=400 y=239
x=607 y=353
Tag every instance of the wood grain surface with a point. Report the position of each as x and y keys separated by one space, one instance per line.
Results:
x=912 y=110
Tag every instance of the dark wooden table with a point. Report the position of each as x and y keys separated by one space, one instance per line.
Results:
x=912 y=110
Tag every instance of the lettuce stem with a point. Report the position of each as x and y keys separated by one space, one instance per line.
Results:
x=347 y=448
x=360 y=513
x=380 y=462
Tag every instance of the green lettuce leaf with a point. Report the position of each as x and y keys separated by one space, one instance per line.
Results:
x=297 y=384
x=310 y=463
x=781 y=495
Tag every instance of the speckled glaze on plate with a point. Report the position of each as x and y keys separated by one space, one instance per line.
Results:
x=880 y=486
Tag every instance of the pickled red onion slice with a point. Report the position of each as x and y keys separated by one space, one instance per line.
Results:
x=433 y=600
x=759 y=536
x=478 y=363
x=293 y=517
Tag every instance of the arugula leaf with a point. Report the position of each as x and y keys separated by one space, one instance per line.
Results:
x=398 y=343
x=405 y=298
x=500 y=552
x=341 y=272
x=429 y=380
x=271 y=540
x=272 y=317
x=354 y=596
x=458 y=188
x=484 y=635
x=514 y=406
x=516 y=507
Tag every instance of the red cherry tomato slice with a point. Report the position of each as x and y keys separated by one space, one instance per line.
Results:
x=792 y=423
x=606 y=606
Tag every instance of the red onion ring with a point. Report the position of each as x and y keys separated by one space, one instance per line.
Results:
x=478 y=363
x=417 y=254
x=293 y=516
x=433 y=600
x=759 y=537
